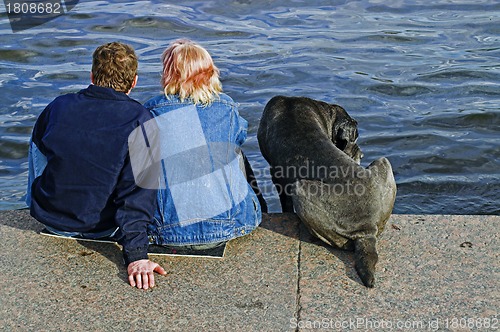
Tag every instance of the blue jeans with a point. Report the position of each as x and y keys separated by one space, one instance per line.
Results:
x=36 y=164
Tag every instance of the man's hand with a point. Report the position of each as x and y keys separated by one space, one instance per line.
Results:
x=141 y=273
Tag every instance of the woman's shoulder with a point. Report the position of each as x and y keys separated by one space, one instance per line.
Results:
x=225 y=99
x=165 y=101
x=155 y=101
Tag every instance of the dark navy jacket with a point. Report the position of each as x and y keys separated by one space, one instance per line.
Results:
x=88 y=184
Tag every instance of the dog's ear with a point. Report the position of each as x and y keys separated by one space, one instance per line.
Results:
x=345 y=134
x=345 y=128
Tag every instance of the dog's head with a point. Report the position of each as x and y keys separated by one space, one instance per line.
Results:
x=345 y=134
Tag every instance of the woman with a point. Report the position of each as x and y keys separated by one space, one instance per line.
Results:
x=204 y=199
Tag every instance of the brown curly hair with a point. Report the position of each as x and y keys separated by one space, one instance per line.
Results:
x=114 y=65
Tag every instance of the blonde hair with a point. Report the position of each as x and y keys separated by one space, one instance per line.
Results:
x=114 y=65
x=190 y=73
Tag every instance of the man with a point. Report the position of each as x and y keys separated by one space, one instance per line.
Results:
x=81 y=181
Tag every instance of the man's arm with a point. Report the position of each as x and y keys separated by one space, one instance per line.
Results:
x=135 y=210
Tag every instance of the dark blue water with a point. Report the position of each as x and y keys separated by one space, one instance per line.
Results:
x=421 y=77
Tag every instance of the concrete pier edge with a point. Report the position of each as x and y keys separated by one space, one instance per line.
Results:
x=435 y=272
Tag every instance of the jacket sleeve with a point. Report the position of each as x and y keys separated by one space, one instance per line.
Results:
x=135 y=210
x=240 y=127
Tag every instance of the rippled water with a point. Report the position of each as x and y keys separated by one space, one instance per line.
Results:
x=421 y=77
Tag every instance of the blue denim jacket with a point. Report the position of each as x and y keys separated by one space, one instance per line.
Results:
x=204 y=196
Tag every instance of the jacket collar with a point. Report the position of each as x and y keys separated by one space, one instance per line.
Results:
x=100 y=92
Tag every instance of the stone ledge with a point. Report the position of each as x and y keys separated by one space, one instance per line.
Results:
x=433 y=270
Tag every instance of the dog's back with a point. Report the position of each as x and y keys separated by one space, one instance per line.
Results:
x=299 y=132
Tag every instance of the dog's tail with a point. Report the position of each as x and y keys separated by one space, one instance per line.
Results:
x=365 y=258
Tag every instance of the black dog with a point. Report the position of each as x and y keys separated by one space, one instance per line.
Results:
x=311 y=148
